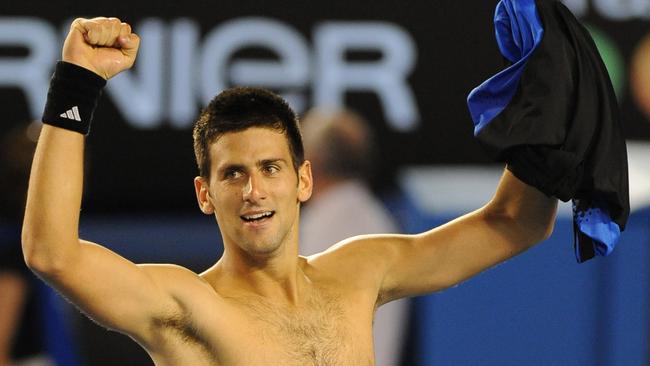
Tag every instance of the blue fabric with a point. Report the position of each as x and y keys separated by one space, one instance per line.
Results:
x=519 y=31
x=59 y=341
x=596 y=223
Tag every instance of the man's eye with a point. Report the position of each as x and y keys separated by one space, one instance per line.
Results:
x=232 y=174
x=271 y=169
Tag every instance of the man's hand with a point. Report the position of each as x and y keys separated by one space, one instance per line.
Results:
x=104 y=46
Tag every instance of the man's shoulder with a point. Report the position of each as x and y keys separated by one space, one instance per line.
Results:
x=164 y=269
x=366 y=245
x=175 y=278
x=359 y=258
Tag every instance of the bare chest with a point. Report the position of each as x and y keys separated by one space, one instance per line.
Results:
x=254 y=331
x=321 y=333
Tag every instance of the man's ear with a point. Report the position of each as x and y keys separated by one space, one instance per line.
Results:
x=305 y=181
x=203 y=195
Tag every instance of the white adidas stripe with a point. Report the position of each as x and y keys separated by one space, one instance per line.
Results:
x=75 y=111
x=72 y=113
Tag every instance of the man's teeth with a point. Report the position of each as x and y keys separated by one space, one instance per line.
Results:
x=258 y=216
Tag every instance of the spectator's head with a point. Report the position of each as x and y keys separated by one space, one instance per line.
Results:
x=339 y=144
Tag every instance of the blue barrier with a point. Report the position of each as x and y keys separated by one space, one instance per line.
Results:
x=542 y=308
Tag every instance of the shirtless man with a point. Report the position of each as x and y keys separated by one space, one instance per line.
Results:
x=261 y=303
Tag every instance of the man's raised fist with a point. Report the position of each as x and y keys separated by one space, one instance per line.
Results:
x=105 y=46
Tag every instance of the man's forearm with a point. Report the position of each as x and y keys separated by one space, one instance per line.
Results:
x=50 y=229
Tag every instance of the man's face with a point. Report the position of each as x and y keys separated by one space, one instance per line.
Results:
x=254 y=190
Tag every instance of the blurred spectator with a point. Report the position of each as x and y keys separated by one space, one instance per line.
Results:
x=20 y=342
x=341 y=148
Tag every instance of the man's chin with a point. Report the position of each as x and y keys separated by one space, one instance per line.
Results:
x=262 y=248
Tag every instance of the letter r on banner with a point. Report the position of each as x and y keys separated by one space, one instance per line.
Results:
x=387 y=77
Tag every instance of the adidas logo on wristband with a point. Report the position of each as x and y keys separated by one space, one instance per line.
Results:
x=72 y=113
x=76 y=88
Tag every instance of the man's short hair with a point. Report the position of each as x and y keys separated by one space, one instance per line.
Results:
x=238 y=109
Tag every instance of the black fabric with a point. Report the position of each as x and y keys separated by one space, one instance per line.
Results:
x=561 y=132
x=72 y=87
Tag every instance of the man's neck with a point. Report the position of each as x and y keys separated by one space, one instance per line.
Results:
x=279 y=278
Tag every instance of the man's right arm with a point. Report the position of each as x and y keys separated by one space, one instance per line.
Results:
x=112 y=290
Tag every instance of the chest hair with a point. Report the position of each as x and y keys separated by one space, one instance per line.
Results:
x=314 y=334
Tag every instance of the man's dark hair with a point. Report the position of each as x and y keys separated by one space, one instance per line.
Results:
x=238 y=109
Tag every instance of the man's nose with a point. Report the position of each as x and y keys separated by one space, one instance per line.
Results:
x=254 y=190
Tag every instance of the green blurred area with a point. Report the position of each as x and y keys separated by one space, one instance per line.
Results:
x=611 y=57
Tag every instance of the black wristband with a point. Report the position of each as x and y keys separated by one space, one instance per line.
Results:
x=72 y=97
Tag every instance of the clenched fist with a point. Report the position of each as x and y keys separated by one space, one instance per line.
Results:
x=104 y=46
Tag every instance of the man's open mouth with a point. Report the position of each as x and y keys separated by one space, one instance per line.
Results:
x=258 y=216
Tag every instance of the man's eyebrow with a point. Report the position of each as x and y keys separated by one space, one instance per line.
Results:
x=230 y=167
x=271 y=161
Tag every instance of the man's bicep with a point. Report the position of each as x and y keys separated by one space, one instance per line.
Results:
x=446 y=255
x=112 y=290
x=516 y=218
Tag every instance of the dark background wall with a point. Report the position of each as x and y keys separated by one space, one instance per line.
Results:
x=140 y=152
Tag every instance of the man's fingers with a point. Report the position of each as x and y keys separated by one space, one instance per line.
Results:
x=122 y=40
x=101 y=31
x=129 y=45
x=105 y=46
x=114 y=32
x=110 y=29
x=125 y=29
x=79 y=27
x=88 y=29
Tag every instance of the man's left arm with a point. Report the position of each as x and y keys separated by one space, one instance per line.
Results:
x=517 y=217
